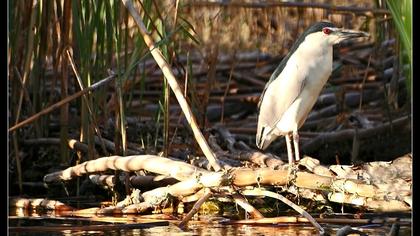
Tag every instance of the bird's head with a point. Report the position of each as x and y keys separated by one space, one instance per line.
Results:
x=328 y=32
x=336 y=35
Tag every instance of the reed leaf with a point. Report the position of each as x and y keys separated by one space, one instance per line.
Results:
x=401 y=11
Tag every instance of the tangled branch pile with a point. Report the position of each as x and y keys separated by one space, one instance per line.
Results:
x=378 y=186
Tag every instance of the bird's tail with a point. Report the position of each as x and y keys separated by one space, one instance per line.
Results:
x=264 y=137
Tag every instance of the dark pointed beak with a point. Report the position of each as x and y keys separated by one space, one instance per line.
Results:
x=346 y=33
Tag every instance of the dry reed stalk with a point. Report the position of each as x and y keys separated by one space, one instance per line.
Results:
x=258 y=192
x=160 y=60
x=62 y=102
x=196 y=207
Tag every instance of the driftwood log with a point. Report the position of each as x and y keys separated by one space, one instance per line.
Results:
x=376 y=186
x=379 y=186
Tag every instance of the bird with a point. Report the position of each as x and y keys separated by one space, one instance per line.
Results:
x=296 y=83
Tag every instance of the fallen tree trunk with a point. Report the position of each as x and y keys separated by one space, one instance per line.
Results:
x=176 y=169
x=342 y=189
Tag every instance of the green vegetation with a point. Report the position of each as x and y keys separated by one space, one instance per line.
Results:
x=401 y=11
x=57 y=48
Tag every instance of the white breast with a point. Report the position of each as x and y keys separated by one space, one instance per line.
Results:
x=312 y=64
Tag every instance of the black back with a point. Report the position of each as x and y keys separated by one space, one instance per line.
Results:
x=312 y=29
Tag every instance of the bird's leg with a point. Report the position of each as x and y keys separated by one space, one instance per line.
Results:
x=291 y=173
x=289 y=149
x=296 y=144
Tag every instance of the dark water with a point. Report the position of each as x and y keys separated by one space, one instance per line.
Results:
x=171 y=229
x=202 y=229
x=208 y=229
x=47 y=224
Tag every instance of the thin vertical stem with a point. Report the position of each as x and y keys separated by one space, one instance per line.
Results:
x=160 y=60
x=64 y=110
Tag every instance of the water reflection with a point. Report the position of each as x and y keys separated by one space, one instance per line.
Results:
x=24 y=219
x=251 y=230
x=204 y=230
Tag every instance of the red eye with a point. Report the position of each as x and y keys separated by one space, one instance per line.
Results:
x=326 y=31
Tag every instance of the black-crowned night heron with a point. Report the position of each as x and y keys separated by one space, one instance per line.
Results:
x=295 y=85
